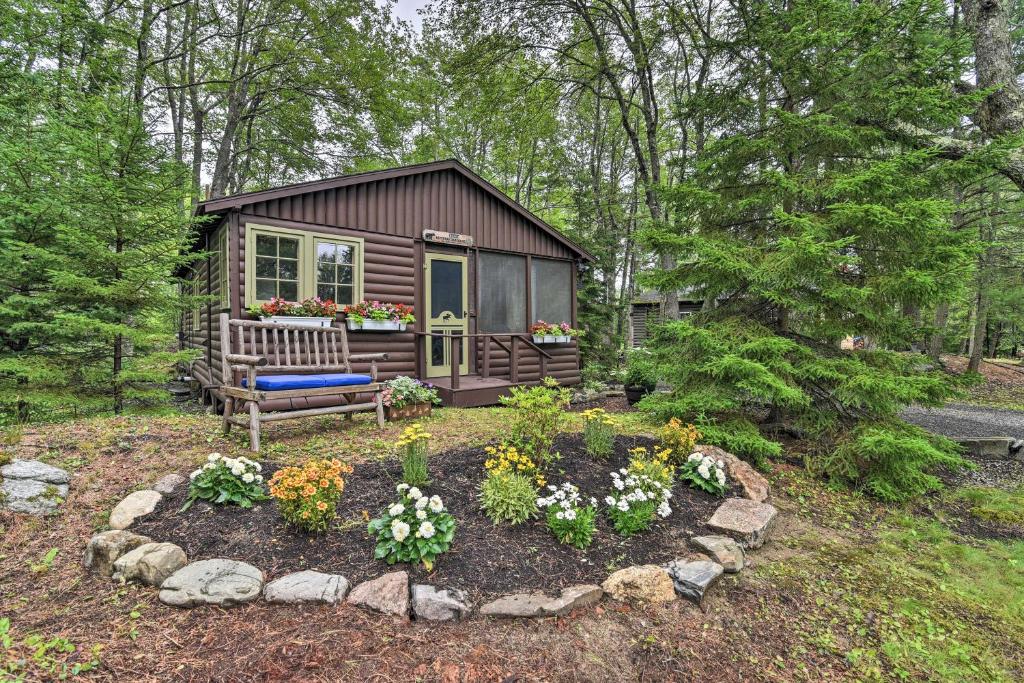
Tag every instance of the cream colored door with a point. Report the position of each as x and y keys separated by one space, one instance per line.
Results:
x=447 y=306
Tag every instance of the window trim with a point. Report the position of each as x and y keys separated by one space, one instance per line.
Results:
x=308 y=241
x=224 y=269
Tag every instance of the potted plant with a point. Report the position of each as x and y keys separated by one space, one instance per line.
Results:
x=378 y=316
x=641 y=376
x=550 y=333
x=405 y=397
x=312 y=312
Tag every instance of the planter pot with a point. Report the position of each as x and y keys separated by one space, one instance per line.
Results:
x=562 y=339
x=634 y=394
x=302 y=321
x=544 y=339
x=409 y=411
x=376 y=325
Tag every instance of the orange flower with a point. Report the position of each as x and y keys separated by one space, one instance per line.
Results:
x=308 y=490
x=321 y=506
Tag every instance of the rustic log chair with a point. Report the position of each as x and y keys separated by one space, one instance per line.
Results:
x=295 y=362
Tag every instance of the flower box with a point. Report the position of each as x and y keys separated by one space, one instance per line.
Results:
x=410 y=411
x=375 y=325
x=300 y=320
x=551 y=339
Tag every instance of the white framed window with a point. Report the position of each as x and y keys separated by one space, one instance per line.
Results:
x=298 y=264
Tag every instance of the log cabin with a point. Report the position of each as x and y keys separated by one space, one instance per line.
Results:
x=477 y=267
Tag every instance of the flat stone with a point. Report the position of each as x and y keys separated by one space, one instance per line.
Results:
x=388 y=594
x=105 y=547
x=32 y=496
x=167 y=484
x=986 y=448
x=724 y=550
x=641 y=583
x=134 y=505
x=692 y=579
x=539 y=604
x=432 y=604
x=212 y=582
x=747 y=521
x=34 y=469
x=754 y=485
x=307 y=586
x=150 y=564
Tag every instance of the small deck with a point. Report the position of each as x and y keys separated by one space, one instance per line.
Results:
x=473 y=390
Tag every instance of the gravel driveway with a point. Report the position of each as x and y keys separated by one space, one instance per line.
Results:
x=961 y=419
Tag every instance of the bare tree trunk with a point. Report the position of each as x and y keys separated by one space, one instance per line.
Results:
x=938 y=337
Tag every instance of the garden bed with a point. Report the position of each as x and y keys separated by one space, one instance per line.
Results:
x=485 y=560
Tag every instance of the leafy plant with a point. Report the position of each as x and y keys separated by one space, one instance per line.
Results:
x=507 y=459
x=680 y=438
x=415 y=448
x=379 y=310
x=224 y=480
x=46 y=563
x=635 y=500
x=655 y=464
x=403 y=391
x=572 y=522
x=641 y=370
x=598 y=432
x=414 y=529
x=538 y=414
x=508 y=497
x=313 y=307
x=308 y=496
x=703 y=472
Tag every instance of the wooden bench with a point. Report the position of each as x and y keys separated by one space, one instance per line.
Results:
x=286 y=361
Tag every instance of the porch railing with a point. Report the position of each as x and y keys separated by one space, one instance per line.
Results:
x=512 y=348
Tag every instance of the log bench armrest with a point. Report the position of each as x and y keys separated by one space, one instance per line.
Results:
x=367 y=356
x=257 y=361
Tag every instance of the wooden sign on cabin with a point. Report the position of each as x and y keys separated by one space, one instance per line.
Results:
x=452 y=238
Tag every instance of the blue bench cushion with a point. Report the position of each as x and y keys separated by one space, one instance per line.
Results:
x=284 y=382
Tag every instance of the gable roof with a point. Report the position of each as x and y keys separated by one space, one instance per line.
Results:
x=237 y=201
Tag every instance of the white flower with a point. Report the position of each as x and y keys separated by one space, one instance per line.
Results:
x=610 y=500
x=720 y=475
x=694 y=457
x=399 y=530
x=415 y=493
x=421 y=502
x=259 y=478
x=426 y=530
x=248 y=477
x=258 y=467
x=618 y=484
x=396 y=509
x=593 y=502
x=703 y=471
x=623 y=505
x=195 y=473
x=238 y=470
x=213 y=457
x=421 y=514
x=570 y=515
x=552 y=487
x=435 y=504
x=401 y=487
x=560 y=515
x=664 y=510
x=209 y=466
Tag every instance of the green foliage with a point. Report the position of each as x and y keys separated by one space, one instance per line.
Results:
x=508 y=498
x=635 y=500
x=415 y=449
x=994 y=505
x=598 y=432
x=26 y=659
x=641 y=370
x=226 y=481
x=704 y=473
x=569 y=519
x=538 y=415
x=415 y=529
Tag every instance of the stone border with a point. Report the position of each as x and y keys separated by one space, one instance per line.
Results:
x=741 y=524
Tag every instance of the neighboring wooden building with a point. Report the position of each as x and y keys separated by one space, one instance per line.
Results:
x=645 y=312
x=476 y=287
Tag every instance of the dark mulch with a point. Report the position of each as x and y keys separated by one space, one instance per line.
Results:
x=485 y=560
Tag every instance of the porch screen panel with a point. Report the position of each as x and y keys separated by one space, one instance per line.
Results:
x=551 y=290
x=502 y=306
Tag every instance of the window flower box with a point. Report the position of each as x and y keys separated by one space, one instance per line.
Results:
x=300 y=320
x=375 y=325
x=313 y=312
x=550 y=333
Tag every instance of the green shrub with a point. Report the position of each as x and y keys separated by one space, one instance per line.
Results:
x=415 y=448
x=598 y=432
x=641 y=370
x=224 y=481
x=415 y=529
x=538 y=415
x=635 y=500
x=571 y=521
x=508 y=498
x=703 y=472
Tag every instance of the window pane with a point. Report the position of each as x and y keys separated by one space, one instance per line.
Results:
x=266 y=267
x=345 y=295
x=326 y=292
x=266 y=245
x=288 y=270
x=288 y=247
x=325 y=273
x=289 y=290
x=345 y=275
x=502 y=306
x=445 y=288
x=437 y=349
x=266 y=289
x=325 y=253
x=551 y=290
x=344 y=254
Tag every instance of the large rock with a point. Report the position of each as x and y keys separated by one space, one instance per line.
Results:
x=150 y=564
x=642 y=583
x=167 y=484
x=692 y=579
x=432 y=604
x=34 y=469
x=134 y=505
x=539 y=604
x=307 y=586
x=212 y=582
x=755 y=487
x=724 y=550
x=32 y=496
x=105 y=547
x=388 y=594
x=748 y=521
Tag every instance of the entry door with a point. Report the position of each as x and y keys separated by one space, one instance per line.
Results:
x=447 y=305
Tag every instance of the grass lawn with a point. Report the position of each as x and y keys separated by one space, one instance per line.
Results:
x=845 y=590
